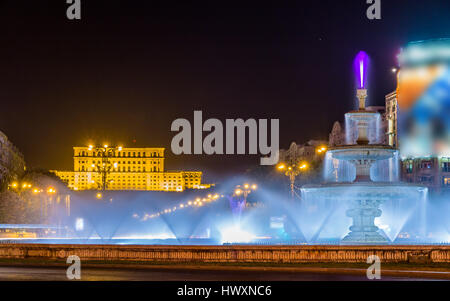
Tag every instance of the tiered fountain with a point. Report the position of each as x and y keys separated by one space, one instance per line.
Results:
x=357 y=180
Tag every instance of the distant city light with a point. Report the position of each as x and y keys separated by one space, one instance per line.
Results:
x=199 y=202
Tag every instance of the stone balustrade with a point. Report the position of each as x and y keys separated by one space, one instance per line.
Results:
x=244 y=254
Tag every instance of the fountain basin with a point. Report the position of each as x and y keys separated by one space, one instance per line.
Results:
x=366 y=201
x=362 y=157
x=379 y=190
x=373 y=152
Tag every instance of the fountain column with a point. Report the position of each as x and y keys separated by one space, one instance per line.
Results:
x=363 y=230
x=363 y=210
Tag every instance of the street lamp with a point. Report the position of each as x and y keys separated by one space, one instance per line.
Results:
x=292 y=171
x=321 y=150
x=20 y=187
x=245 y=190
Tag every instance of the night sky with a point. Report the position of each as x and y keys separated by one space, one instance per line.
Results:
x=127 y=69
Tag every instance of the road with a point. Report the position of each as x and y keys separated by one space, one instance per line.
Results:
x=173 y=274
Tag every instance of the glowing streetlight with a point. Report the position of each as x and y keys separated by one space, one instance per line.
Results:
x=281 y=166
x=245 y=190
x=304 y=166
x=292 y=171
x=99 y=196
x=321 y=149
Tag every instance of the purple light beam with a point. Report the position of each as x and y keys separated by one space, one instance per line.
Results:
x=360 y=64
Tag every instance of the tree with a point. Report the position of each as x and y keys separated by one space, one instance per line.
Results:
x=24 y=200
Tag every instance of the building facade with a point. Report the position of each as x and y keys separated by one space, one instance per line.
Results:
x=302 y=152
x=126 y=169
x=432 y=172
x=392 y=119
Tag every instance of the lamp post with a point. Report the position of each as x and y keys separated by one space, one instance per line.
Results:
x=245 y=190
x=292 y=171
x=241 y=193
x=104 y=168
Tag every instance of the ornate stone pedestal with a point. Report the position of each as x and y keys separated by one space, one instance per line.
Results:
x=363 y=230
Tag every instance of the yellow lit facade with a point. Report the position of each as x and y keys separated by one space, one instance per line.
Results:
x=127 y=169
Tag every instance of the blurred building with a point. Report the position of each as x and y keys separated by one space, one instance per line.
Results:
x=423 y=121
x=12 y=162
x=127 y=169
x=302 y=152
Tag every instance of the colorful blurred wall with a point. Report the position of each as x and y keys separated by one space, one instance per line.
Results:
x=423 y=94
x=424 y=99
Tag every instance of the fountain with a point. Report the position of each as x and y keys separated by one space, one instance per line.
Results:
x=356 y=180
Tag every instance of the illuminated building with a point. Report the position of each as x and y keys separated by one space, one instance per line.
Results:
x=433 y=172
x=392 y=119
x=126 y=169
